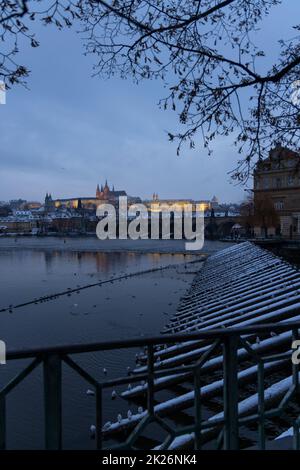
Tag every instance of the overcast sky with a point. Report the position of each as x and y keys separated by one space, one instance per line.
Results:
x=70 y=131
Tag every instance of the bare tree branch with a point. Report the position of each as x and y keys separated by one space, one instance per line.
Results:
x=204 y=52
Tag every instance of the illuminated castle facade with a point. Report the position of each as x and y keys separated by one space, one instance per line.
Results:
x=104 y=194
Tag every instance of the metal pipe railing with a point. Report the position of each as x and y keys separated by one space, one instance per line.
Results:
x=152 y=340
x=226 y=426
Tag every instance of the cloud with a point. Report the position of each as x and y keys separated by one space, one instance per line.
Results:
x=71 y=131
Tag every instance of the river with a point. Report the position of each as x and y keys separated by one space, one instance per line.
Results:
x=132 y=307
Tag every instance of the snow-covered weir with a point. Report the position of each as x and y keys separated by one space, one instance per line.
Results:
x=220 y=376
x=225 y=364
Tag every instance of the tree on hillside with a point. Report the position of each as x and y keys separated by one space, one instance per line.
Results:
x=204 y=52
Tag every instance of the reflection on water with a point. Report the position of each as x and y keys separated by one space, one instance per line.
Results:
x=28 y=274
x=132 y=307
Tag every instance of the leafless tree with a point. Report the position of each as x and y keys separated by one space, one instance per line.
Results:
x=204 y=52
x=265 y=215
x=259 y=212
x=16 y=18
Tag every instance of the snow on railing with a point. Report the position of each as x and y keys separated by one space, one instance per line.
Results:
x=238 y=287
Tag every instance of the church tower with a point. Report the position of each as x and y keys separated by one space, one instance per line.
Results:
x=48 y=205
x=98 y=192
x=106 y=190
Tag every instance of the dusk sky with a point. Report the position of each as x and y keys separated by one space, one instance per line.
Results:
x=69 y=131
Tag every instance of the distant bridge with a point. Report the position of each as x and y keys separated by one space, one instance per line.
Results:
x=219 y=227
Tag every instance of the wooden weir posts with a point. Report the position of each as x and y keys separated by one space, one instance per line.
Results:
x=241 y=286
